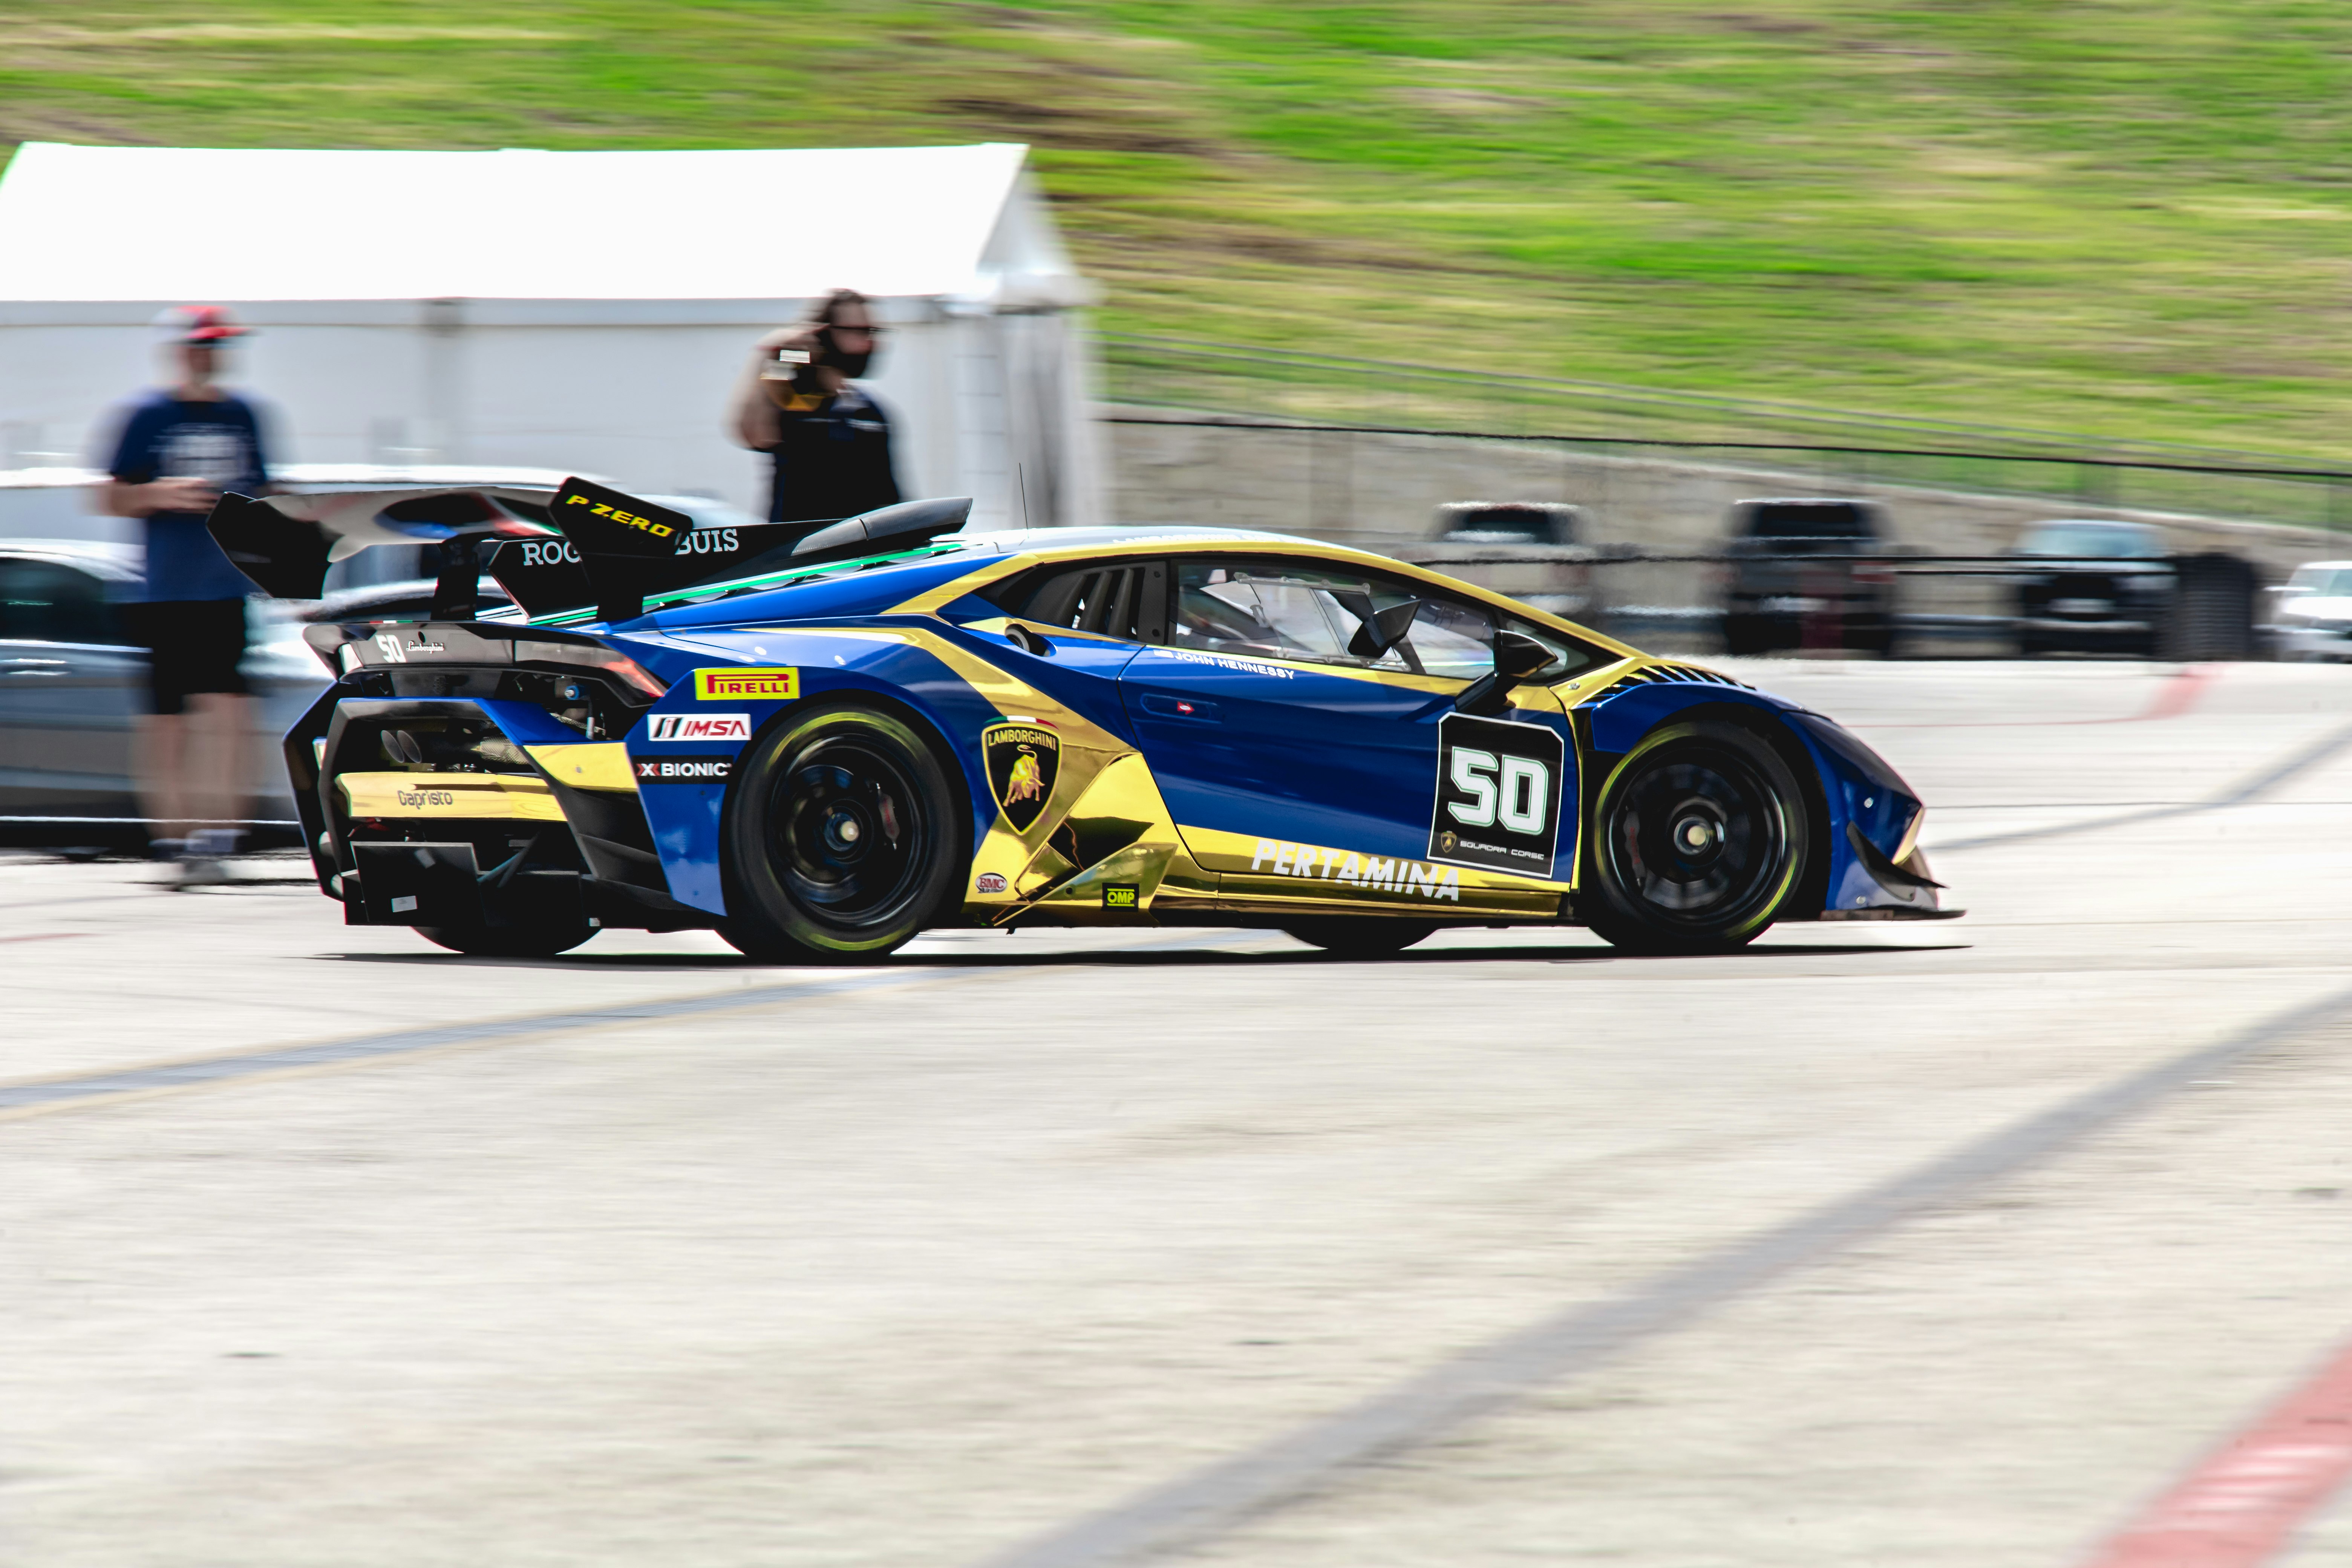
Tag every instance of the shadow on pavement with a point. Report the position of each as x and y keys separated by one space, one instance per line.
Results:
x=1135 y=958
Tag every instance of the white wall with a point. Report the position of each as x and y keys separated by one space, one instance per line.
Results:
x=634 y=391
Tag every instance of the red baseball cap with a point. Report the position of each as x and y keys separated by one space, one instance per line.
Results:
x=198 y=324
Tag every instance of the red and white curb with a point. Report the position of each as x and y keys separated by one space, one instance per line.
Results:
x=2240 y=1507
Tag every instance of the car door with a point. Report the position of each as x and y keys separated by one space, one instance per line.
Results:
x=69 y=692
x=1302 y=768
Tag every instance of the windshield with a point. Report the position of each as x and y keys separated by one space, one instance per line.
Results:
x=1809 y=519
x=2332 y=581
x=2094 y=540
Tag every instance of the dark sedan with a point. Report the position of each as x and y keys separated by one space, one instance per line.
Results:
x=2106 y=588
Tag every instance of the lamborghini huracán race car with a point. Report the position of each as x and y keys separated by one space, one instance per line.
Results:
x=820 y=738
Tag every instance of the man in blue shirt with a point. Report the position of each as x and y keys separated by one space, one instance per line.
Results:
x=180 y=447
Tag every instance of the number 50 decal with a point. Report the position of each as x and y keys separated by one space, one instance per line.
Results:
x=1498 y=790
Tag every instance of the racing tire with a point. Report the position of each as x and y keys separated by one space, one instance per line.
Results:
x=842 y=838
x=508 y=942
x=1700 y=836
x=1360 y=936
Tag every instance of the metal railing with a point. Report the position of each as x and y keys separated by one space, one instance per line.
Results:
x=1224 y=383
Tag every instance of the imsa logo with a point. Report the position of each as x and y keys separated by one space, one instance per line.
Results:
x=698 y=727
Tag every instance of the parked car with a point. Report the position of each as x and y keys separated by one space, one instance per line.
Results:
x=71 y=685
x=2313 y=619
x=1563 y=587
x=2106 y=588
x=1508 y=523
x=1794 y=580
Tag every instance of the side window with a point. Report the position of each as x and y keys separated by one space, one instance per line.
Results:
x=44 y=601
x=1118 y=599
x=1281 y=609
x=1454 y=639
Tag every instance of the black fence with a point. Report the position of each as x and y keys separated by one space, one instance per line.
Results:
x=1188 y=382
x=1892 y=602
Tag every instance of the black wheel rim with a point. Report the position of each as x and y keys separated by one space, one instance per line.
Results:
x=1697 y=838
x=847 y=833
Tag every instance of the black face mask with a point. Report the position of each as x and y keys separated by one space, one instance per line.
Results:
x=829 y=353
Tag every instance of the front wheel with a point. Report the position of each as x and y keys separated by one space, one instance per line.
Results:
x=1699 y=838
x=1360 y=936
x=843 y=839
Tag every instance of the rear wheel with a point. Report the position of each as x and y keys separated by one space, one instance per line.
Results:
x=1360 y=936
x=842 y=840
x=503 y=941
x=1700 y=836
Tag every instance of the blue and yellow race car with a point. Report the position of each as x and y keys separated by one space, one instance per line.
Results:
x=820 y=738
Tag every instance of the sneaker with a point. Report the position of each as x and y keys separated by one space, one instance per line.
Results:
x=215 y=843
x=201 y=871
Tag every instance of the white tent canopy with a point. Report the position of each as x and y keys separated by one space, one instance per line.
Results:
x=565 y=309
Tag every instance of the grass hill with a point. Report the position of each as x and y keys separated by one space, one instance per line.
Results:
x=2132 y=217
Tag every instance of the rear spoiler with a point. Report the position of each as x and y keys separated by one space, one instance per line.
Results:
x=578 y=545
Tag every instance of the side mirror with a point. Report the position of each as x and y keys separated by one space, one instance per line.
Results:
x=1517 y=658
x=1381 y=630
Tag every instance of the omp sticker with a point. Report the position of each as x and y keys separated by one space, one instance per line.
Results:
x=683 y=770
x=1498 y=788
x=1121 y=896
x=1365 y=873
x=674 y=727
x=747 y=685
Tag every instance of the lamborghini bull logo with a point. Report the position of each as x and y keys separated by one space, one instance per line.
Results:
x=1023 y=760
x=1023 y=784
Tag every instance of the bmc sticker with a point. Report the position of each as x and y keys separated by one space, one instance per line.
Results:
x=1122 y=896
x=1497 y=796
x=746 y=685
x=698 y=727
x=1023 y=760
x=682 y=770
x=990 y=882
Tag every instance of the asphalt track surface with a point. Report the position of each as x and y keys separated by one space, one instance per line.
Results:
x=2021 y=1240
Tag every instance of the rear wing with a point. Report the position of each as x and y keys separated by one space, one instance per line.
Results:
x=577 y=546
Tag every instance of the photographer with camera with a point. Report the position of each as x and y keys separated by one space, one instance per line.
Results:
x=830 y=439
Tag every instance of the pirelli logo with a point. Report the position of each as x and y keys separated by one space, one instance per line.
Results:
x=625 y=519
x=747 y=685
